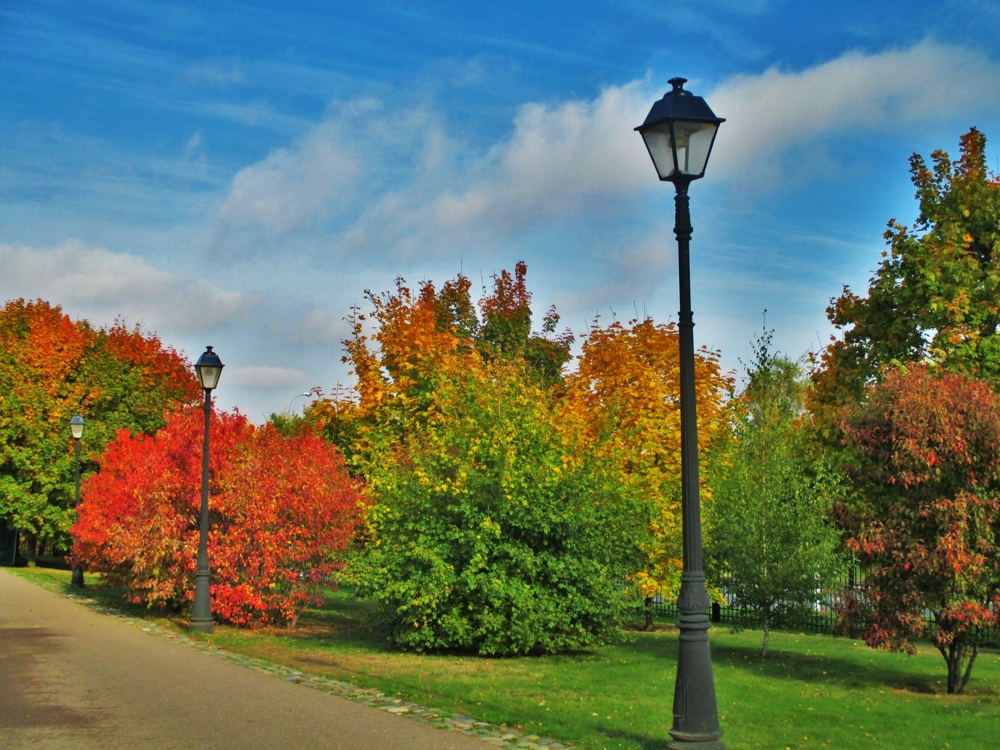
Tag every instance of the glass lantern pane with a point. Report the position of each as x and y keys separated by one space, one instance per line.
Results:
x=208 y=376
x=657 y=140
x=694 y=139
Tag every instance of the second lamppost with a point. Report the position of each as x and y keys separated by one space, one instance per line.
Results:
x=76 y=425
x=679 y=132
x=208 y=368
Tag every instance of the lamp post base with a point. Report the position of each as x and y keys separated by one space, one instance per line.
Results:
x=679 y=743
x=203 y=626
x=696 y=718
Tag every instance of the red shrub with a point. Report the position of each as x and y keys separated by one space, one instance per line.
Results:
x=281 y=511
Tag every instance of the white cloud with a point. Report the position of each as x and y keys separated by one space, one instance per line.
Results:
x=777 y=111
x=560 y=157
x=264 y=378
x=342 y=161
x=292 y=187
x=556 y=159
x=403 y=188
x=192 y=145
x=94 y=281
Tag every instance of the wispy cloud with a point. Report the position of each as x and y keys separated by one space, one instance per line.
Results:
x=101 y=284
x=633 y=271
x=215 y=74
x=291 y=188
x=773 y=113
x=721 y=21
x=321 y=327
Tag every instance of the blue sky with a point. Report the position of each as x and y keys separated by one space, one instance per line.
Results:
x=237 y=174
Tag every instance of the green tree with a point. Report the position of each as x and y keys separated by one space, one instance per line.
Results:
x=769 y=545
x=491 y=530
x=935 y=295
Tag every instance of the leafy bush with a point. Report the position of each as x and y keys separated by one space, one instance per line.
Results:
x=492 y=532
x=496 y=526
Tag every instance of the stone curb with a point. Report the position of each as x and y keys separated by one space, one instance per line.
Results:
x=501 y=737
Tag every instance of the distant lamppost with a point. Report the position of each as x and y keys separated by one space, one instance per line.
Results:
x=208 y=368
x=76 y=425
x=298 y=395
x=679 y=132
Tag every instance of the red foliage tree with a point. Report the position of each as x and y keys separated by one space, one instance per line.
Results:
x=926 y=526
x=282 y=508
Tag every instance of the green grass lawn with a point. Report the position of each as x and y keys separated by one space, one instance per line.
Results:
x=812 y=691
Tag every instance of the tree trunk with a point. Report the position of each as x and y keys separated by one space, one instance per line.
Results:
x=649 y=613
x=954 y=656
x=767 y=637
x=31 y=549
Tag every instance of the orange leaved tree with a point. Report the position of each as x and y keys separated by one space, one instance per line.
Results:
x=419 y=335
x=282 y=511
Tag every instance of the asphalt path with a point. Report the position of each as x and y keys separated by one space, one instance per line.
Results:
x=73 y=679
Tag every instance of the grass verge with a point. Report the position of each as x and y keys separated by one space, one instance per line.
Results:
x=812 y=691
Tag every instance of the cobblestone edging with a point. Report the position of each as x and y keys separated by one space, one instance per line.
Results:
x=502 y=737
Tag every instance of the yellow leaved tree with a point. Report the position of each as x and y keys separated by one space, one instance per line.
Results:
x=627 y=390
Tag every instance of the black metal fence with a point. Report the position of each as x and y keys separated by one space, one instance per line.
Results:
x=817 y=617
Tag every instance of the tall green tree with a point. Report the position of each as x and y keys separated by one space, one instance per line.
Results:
x=52 y=367
x=769 y=545
x=935 y=295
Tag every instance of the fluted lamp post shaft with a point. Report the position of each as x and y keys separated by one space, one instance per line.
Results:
x=679 y=133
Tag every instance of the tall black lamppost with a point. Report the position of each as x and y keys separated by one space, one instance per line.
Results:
x=209 y=368
x=76 y=430
x=679 y=132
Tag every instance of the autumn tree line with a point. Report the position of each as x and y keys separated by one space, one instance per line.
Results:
x=493 y=493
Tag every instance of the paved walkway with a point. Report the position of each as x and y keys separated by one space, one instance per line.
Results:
x=72 y=679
